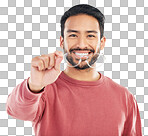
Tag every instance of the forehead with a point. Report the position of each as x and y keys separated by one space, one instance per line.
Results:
x=82 y=22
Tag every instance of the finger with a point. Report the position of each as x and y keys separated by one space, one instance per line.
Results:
x=51 y=60
x=45 y=59
x=58 y=53
x=58 y=61
x=37 y=63
x=40 y=64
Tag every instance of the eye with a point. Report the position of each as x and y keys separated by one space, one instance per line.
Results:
x=72 y=35
x=91 y=36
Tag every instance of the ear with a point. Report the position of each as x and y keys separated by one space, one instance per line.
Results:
x=61 y=42
x=102 y=43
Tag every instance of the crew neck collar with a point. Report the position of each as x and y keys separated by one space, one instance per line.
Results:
x=65 y=77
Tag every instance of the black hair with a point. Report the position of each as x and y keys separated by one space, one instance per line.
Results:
x=83 y=9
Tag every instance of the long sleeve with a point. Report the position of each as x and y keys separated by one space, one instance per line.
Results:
x=24 y=104
x=133 y=123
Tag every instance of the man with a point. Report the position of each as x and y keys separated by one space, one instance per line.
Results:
x=78 y=101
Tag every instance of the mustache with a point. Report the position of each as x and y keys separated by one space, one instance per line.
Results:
x=79 y=49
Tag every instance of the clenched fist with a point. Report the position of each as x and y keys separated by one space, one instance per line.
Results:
x=45 y=69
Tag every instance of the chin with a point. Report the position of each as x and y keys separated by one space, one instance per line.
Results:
x=82 y=67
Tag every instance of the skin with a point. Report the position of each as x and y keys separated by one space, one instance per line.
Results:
x=82 y=39
x=45 y=69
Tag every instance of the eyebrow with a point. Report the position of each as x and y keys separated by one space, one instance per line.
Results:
x=75 y=31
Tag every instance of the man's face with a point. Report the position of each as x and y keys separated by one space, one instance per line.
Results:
x=81 y=36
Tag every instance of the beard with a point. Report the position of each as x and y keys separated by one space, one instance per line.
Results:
x=83 y=65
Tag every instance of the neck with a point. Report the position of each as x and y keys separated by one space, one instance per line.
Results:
x=89 y=74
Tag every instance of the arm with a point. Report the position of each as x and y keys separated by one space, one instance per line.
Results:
x=24 y=104
x=132 y=125
x=29 y=105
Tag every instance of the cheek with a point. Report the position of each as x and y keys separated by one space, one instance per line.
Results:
x=95 y=44
x=71 y=41
x=68 y=43
x=98 y=47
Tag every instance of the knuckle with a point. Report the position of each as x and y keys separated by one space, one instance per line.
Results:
x=34 y=59
x=40 y=62
x=46 y=58
x=51 y=60
x=52 y=65
x=51 y=55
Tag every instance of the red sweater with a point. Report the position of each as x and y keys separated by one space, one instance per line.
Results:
x=69 y=107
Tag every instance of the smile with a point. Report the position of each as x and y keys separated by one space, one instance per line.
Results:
x=82 y=55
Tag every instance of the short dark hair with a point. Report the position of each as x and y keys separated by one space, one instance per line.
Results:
x=83 y=9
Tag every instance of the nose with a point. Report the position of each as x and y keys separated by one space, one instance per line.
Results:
x=82 y=42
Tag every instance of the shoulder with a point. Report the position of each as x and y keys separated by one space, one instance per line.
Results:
x=116 y=87
x=122 y=93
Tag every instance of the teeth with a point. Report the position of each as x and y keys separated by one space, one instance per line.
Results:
x=81 y=54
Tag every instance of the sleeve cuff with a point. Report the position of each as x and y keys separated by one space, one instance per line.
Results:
x=28 y=93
